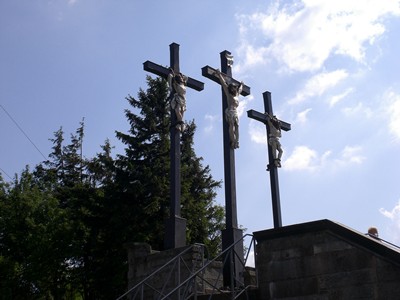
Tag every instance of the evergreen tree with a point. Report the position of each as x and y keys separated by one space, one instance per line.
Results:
x=205 y=219
x=73 y=159
x=101 y=169
x=65 y=166
x=63 y=226
x=69 y=177
x=144 y=171
x=51 y=171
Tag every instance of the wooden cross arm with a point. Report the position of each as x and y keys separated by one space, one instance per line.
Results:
x=253 y=114
x=163 y=72
x=209 y=72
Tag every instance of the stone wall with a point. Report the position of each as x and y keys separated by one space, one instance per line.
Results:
x=325 y=260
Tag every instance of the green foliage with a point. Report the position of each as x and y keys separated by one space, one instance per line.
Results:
x=143 y=172
x=33 y=247
x=63 y=226
x=205 y=219
x=146 y=166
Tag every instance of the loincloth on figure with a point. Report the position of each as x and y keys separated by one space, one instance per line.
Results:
x=273 y=140
x=178 y=101
x=231 y=115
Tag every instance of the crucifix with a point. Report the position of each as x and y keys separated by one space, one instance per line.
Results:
x=274 y=127
x=231 y=89
x=175 y=231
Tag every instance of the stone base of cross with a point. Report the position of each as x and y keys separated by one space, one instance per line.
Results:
x=175 y=232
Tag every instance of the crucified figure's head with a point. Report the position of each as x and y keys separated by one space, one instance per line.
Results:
x=179 y=78
x=233 y=89
x=275 y=122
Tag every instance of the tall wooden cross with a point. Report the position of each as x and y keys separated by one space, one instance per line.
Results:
x=175 y=232
x=272 y=167
x=232 y=233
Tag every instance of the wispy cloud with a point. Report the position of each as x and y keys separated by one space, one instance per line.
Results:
x=307 y=159
x=303 y=34
x=394 y=216
x=243 y=104
x=257 y=133
x=352 y=155
x=393 y=113
x=337 y=98
x=319 y=84
x=358 y=110
x=72 y=2
x=302 y=116
x=210 y=122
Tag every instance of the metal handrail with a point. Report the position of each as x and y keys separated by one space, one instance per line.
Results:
x=187 y=284
x=382 y=240
x=173 y=260
x=201 y=270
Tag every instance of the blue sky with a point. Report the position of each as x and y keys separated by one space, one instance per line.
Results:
x=332 y=68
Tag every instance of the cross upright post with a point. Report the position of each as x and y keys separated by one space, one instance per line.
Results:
x=232 y=233
x=272 y=166
x=175 y=231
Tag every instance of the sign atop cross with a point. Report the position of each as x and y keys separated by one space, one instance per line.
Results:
x=274 y=161
x=175 y=232
x=232 y=233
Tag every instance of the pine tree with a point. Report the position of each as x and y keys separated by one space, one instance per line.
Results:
x=69 y=178
x=101 y=169
x=63 y=226
x=51 y=171
x=144 y=171
x=205 y=219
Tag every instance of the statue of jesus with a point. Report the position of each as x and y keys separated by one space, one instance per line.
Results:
x=177 y=88
x=273 y=139
x=232 y=92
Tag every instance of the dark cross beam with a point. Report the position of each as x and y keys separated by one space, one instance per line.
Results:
x=273 y=170
x=232 y=233
x=175 y=233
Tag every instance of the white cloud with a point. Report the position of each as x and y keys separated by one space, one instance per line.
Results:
x=305 y=158
x=302 y=158
x=393 y=112
x=359 y=109
x=318 y=84
x=337 y=98
x=72 y=2
x=351 y=154
x=210 y=121
x=302 y=35
x=394 y=216
x=243 y=104
x=302 y=116
x=258 y=132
